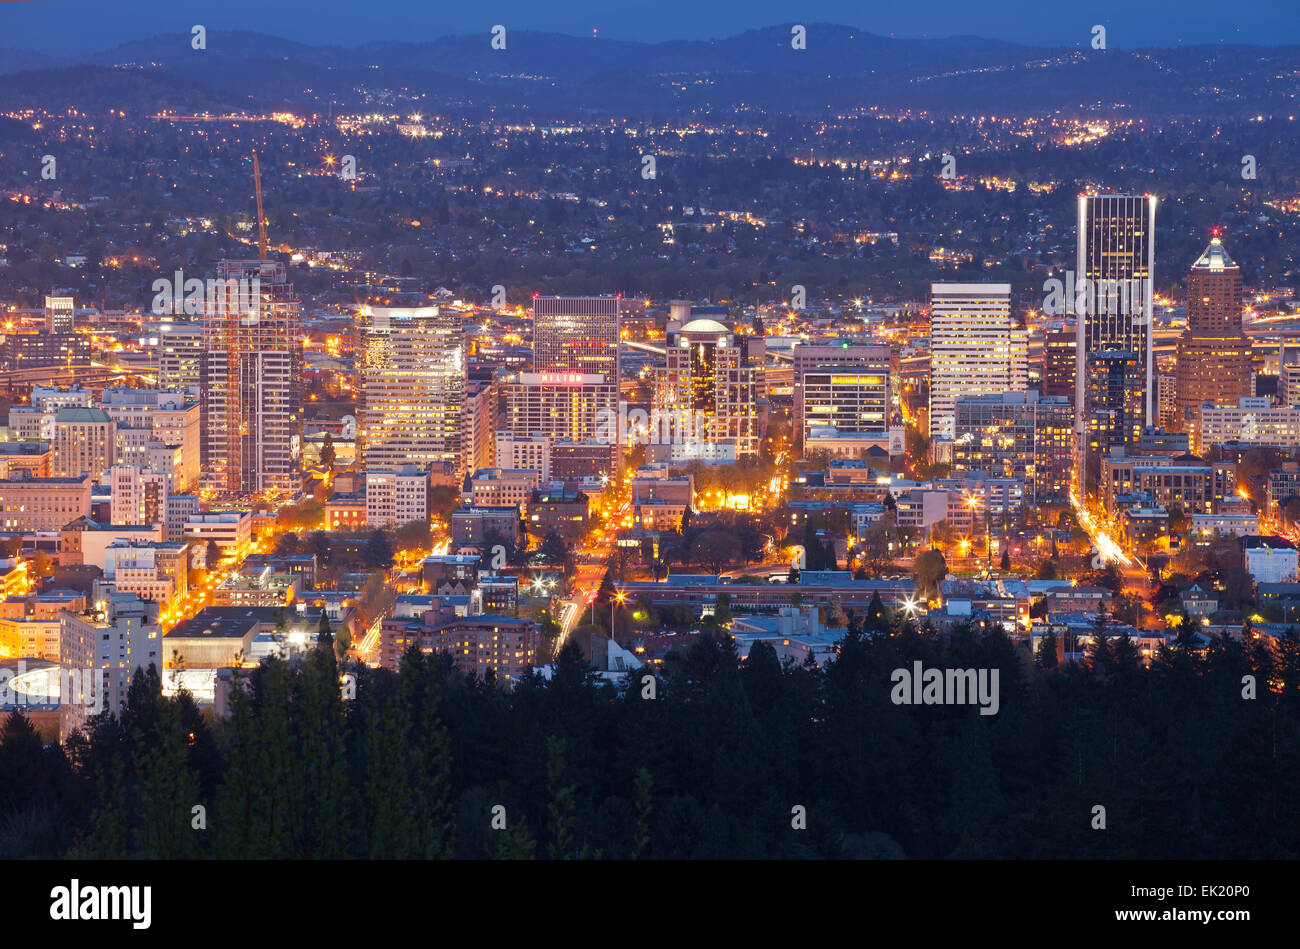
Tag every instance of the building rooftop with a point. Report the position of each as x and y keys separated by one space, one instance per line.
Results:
x=78 y=414
x=1269 y=542
x=224 y=622
x=1214 y=258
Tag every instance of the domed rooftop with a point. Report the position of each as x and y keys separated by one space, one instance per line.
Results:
x=705 y=326
x=1215 y=258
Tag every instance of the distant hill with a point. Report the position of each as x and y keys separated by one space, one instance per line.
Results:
x=92 y=88
x=832 y=50
x=21 y=60
x=841 y=68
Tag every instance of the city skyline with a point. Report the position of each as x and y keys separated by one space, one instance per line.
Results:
x=695 y=434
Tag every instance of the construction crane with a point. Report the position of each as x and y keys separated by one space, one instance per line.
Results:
x=236 y=422
x=261 y=218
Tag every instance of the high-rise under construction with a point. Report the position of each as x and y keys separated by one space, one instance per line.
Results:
x=251 y=381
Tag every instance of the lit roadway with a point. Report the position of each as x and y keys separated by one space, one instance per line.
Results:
x=1109 y=550
x=587 y=575
x=1137 y=581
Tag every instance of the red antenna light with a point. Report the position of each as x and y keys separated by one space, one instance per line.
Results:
x=1214 y=231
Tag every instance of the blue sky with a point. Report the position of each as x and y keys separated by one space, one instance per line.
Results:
x=84 y=25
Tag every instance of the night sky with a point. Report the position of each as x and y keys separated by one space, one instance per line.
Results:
x=73 y=26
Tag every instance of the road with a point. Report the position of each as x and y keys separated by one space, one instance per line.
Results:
x=1132 y=568
x=592 y=561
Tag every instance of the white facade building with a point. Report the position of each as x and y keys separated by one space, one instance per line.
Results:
x=975 y=348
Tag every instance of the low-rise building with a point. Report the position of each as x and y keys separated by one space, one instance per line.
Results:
x=29 y=504
x=346 y=511
x=1206 y=526
x=153 y=570
x=450 y=573
x=503 y=487
x=232 y=531
x=555 y=509
x=31 y=457
x=256 y=587
x=1270 y=559
x=473 y=526
x=398 y=496
x=502 y=646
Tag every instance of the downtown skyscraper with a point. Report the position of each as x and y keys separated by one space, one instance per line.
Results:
x=976 y=348
x=412 y=370
x=1113 y=298
x=708 y=391
x=1214 y=356
x=251 y=380
x=577 y=334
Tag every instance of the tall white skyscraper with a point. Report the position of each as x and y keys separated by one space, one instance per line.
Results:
x=975 y=348
x=412 y=368
x=1113 y=290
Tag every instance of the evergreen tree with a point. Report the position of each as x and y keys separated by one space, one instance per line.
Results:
x=644 y=795
x=1099 y=651
x=1045 y=656
x=327 y=453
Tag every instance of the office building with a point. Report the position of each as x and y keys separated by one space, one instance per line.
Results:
x=85 y=443
x=139 y=495
x=529 y=452
x=1214 y=356
x=397 y=497
x=499 y=487
x=29 y=350
x=412 y=375
x=100 y=649
x=975 y=348
x=577 y=335
x=1060 y=363
x=180 y=356
x=170 y=417
x=846 y=388
x=35 y=458
x=503 y=646
x=1017 y=435
x=1253 y=420
x=53 y=398
x=1113 y=294
x=232 y=531
x=479 y=426
x=1114 y=399
x=572 y=406
x=153 y=570
x=709 y=390
x=29 y=504
x=60 y=313
x=1189 y=484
